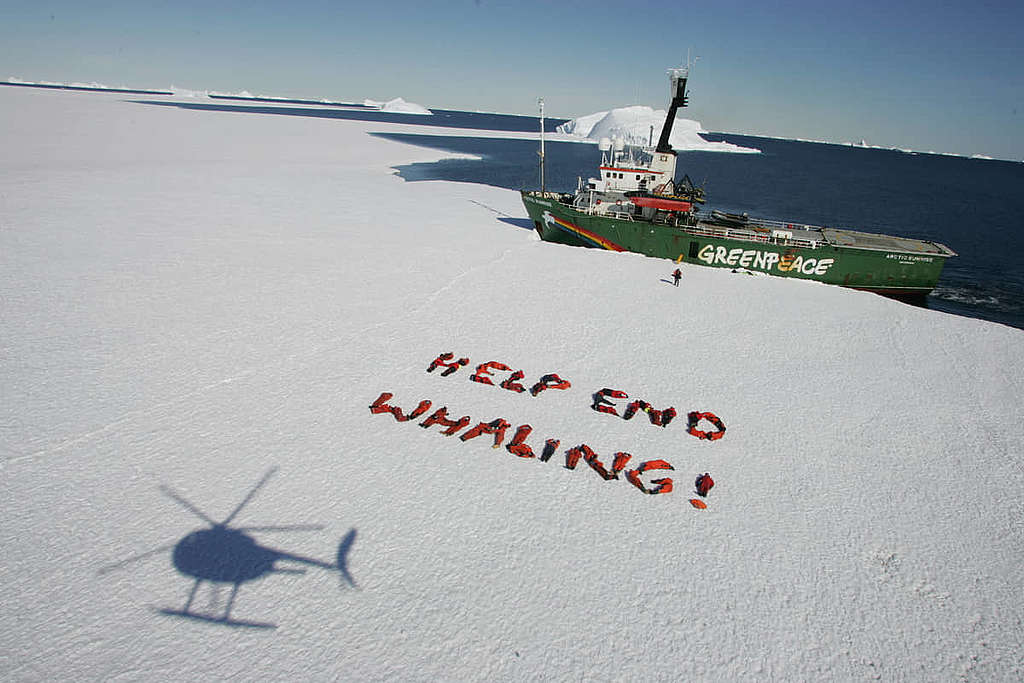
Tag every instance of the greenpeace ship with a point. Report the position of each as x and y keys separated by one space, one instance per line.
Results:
x=636 y=204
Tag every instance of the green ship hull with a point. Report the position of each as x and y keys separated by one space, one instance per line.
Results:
x=884 y=264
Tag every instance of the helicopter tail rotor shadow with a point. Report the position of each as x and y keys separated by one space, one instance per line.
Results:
x=343 y=548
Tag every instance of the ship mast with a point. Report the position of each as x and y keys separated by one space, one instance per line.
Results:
x=677 y=79
x=540 y=101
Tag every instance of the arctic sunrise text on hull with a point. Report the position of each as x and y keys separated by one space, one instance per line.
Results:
x=638 y=205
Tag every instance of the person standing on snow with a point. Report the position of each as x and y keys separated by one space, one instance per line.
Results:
x=703 y=484
x=677 y=274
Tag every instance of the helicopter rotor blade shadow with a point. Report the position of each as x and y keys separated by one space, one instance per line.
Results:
x=135 y=558
x=250 y=495
x=283 y=527
x=170 y=493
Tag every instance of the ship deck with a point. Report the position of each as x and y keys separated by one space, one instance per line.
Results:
x=762 y=230
x=866 y=240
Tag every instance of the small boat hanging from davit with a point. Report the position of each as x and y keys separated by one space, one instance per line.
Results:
x=637 y=204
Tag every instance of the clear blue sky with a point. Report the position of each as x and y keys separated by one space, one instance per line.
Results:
x=937 y=75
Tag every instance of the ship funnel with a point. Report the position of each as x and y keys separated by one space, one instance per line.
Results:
x=604 y=144
x=677 y=79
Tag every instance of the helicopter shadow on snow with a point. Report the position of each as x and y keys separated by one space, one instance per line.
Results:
x=223 y=555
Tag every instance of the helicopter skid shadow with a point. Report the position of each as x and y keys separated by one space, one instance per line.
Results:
x=215 y=620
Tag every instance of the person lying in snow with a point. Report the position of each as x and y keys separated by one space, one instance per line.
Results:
x=703 y=484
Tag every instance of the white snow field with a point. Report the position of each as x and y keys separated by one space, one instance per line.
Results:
x=199 y=307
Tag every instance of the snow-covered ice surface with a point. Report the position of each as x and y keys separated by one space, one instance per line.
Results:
x=641 y=125
x=193 y=298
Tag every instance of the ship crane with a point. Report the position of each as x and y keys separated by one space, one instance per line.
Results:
x=663 y=157
x=677 y=78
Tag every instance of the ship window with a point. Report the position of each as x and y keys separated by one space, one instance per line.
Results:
x=638 y=177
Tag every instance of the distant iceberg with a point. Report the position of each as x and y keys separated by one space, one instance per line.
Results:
x=398 y=106
x=240 y=94
x=640 y=125
x=187 y=92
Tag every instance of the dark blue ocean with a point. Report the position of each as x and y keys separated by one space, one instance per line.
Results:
x=973 y=206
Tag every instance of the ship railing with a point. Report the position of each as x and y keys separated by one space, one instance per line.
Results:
x=622 y=215
x=750 y=235
x=593 y=210
x=780 y=225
